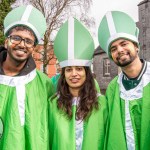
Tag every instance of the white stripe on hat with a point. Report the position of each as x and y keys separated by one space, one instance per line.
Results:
x=27 y=13
x=121 y=35
x=71 y=38
x=110 y=23
x=75 y=62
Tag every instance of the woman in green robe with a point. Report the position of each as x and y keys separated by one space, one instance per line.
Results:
x=77 y=113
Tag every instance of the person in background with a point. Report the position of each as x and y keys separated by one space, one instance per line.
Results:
x=24 y=91
x=128 y=94
x=77 y=113
x=55 y=78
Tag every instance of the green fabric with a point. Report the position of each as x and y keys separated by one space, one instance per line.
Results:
x=139 y=111
x=33 y=135
x=130 y=84
x=54 y=80
x=73 y=44
x=60 y=43
x=128 y=26
x=62 y=130
x=83 y=42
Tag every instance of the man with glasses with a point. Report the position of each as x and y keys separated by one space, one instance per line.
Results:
x=24 y=91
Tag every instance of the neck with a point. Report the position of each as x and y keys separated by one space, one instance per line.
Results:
x=12 y=68
x=74 y=92
x=133 y=69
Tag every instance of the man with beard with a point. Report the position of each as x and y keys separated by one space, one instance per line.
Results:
x=128 y=94
x=24 y=91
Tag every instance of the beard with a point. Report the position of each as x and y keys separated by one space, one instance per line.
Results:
x=125 y=62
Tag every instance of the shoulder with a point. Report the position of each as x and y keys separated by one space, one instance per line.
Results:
x=97 y=86
x=101 y=99
x=111 y=89
x=40 y=73
x=113 y=83
x=44 y=80
x=42 y=76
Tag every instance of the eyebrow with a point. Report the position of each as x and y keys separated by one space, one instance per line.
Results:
x=119 y=43
x=123 y=41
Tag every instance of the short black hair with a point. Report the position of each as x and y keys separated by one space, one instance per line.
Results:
x=21 y=28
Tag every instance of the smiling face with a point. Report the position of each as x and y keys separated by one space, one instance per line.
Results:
x=19 y=52
x=123 y=52
x=75 y=77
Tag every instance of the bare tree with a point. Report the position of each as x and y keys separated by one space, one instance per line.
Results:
x=57 y=12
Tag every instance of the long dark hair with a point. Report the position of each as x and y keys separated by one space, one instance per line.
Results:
x=87 y=94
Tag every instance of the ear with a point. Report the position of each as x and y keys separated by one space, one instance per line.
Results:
x=6 y=43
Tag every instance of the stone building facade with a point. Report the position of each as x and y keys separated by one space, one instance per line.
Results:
x=105 y=69
x=144 y=27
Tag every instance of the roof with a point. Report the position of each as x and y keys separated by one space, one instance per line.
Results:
x=144 y=1
x=98 y=51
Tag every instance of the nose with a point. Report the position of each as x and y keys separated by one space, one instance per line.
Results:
x=74 y=72
x=120 y=48
x=22 y=43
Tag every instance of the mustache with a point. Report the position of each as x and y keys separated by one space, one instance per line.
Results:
x=121 y=54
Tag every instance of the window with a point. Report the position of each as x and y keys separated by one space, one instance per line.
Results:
x=106 y=67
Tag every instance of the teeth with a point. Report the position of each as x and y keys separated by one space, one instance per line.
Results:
x=20 y=52
x=74 y=80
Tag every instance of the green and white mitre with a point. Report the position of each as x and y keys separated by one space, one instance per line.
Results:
x=73 y=45
x=27 y=16
x=116 y=25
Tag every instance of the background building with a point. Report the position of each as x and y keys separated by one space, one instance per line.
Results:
x=144 y=27
x=104 y=68
x=51 y=68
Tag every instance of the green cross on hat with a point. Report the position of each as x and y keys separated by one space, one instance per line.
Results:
x=27 y=16
x=116 y=25
x=73 y=45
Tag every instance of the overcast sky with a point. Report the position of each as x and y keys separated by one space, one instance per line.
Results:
x=100 y=7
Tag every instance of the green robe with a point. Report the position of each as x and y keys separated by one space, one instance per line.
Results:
x=54 y=80
x=62 y=130
x=24 y=111
x=128 y=125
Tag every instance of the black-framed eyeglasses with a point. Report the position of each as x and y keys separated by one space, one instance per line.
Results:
x=15 y=39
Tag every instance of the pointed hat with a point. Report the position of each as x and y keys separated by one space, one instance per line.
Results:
x=73 y=45
x=26 y=16
x=116 y=25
